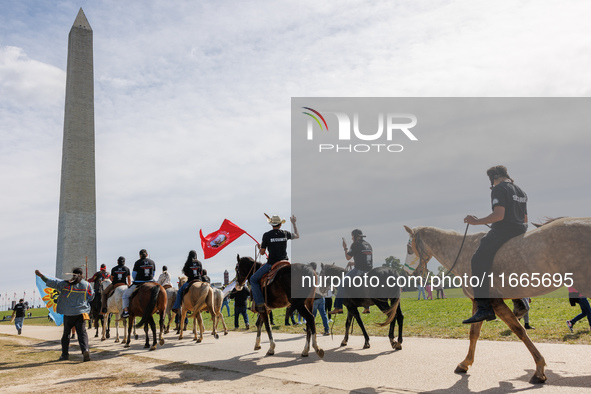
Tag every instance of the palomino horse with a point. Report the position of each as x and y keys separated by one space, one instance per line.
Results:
x=279 y=296
x=148 y=298
x=114 y=307
x=392 y=310
x=170 y=299
x=198 y=298
x=560 y=249
x=218 y=300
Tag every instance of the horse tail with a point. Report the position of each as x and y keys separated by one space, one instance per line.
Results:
x=390 y=313
x=150 y=307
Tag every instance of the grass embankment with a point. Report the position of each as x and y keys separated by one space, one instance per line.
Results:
x=437 y=318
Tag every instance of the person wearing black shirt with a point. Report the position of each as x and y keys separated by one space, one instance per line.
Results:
x=119 y=274
x=275 y=241
x=362 y=255
x=143 y=271
x=240 y=299
x=18 y=313
x=508 y=219
x=193 y=269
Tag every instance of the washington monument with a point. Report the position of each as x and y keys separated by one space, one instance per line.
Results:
x=76 y=239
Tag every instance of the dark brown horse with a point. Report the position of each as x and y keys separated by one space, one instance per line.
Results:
x=149 y=298
x=278 y=295
x=392 y=309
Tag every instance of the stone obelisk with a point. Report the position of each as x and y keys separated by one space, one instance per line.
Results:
x=76 y=240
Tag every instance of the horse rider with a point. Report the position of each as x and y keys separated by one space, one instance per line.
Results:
x=119 y=274
x=508 y=220
x=143 y=271
x=99 y=276
x=362 y=255
x=205 y=277
x=193 y=269
x=164 y=278
x=275 y=242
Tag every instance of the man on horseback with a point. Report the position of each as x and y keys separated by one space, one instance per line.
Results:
x=164 y=278
x=193 y=270
x=119 y=275
x=143 y=271
x=362 y=255
x=508 y=219
x=275 y=241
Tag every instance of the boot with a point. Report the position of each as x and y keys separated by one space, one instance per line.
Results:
x=519 y=308
x=484 y=312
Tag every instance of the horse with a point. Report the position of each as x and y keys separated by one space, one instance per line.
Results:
x=218 y=300
x=279 y=296
x=199 y=297
x=114 y=307
x=560 y=247
x=95 y=311
x=170 y=299
x=148 y=298
x=392 y=310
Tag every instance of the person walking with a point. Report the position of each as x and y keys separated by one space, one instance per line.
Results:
x=240 y=303
x=18 y=315
x=576 y=298
x=319 y=305
x=74 y=303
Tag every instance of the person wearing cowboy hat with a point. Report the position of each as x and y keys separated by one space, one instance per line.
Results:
x=362 y=255
x=275 y=242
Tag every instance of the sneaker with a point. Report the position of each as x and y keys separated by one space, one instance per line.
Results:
x=19 y=331
x=326 y=333
x=86 y=355
x=125 y=314
x=330 y=320
x=248 y=327
x=569 y=325
x=335 y=311
x=64 y=357
x=528 y=327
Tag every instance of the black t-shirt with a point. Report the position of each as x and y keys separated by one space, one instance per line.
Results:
x=145 y=269
x=510 y=196
x=240 y=297
x=119 y=274
x=20 y=309
x=193 y=270
x=275 y=242
x=362 y=255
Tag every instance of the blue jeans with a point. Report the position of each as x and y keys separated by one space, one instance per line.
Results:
x=319 y=306
x=240 y=310
x=255 y=286
x=422 y=291
x=179 y=298
x=585 y=311
x=226 y=303
x=18 y=322
x=338 y=301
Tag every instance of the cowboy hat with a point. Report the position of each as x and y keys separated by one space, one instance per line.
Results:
x=275 y=220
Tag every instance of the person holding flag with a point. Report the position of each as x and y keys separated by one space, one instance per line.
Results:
x=73 y=302
x=275 y=242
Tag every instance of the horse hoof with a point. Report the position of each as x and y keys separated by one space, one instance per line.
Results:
x=225 y=332
x=304 y=354
x=217 y=336
x=460 y=369
x=199 y=340
x=366 y=346
x=153 y=348
x=398 y=346
x=537 y=380
x=103 y=339
x=146 y=346
x=108 y=335
x=136 y=336
x=127 y=345
x=117 y=340
x=161 y=342
x=257 y=347
x=96 y=335
x=320 y=353
x=270 y=352
x=343 y=343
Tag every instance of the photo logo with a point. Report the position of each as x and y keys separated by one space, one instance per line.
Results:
x=389 y=126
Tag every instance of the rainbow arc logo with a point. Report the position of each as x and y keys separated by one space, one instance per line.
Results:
x=315 y=118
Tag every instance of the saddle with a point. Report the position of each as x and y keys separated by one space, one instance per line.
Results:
x=167 y=287
x=112 y=291
x=189 y=285
x=269 y=277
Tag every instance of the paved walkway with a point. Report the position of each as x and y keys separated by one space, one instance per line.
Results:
x=424 y=364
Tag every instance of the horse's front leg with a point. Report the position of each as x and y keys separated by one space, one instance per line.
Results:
x=362 y=326
x=271 y=350
x=257 y=343
x=310 y=332
x=507 y=316
x=215 y=322
x=104 y=333
x=221 y=317
x=474 y=334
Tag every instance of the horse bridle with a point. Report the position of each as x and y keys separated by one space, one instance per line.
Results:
x=421 y=249
x=254 y=263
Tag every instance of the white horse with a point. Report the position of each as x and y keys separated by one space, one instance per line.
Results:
x=114 y=306
x=170 y=299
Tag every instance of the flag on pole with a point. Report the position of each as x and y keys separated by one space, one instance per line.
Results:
x=216 y=241
x=50 y=298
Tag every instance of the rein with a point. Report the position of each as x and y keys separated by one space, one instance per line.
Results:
x=460 y=251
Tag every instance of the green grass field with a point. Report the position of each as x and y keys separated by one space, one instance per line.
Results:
x=430 y=318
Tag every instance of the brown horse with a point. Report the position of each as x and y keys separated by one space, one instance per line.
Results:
x=199 y=297
x=560 y=248
x=148 y=298
x=392 y=310
x=279 y=296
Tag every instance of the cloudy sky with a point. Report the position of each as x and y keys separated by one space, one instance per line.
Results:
x=192 y=108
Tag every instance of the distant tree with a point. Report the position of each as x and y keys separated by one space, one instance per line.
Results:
x=393 y=262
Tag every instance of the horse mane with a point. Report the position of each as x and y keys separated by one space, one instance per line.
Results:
x=547 y=220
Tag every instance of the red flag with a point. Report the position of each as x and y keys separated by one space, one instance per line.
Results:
x=218 y=240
